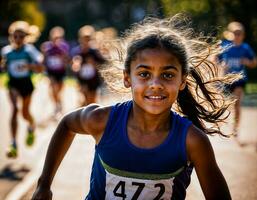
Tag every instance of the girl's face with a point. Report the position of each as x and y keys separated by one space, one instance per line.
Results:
x=155 y=79
x=18 y=38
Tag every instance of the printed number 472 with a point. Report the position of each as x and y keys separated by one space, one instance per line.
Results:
x=119 y=190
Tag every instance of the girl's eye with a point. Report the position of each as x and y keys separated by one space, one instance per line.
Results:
x=168 y=75
x=144 y=74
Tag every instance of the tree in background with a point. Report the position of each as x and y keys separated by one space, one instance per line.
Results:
x=26 y=10
x=211 y=16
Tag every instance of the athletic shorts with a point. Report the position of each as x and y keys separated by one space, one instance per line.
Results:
x=239 y=83
x=56 y=76
x=92 y=84
x=23 y=85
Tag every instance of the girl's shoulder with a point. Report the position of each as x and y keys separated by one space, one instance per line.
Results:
x=96 y=113
x=94 y=118
x=100 y=114
x=197 y=142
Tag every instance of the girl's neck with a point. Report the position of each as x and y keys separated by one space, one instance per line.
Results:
x=148 y=122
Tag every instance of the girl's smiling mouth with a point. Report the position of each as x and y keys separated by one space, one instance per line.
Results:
x=155 y=97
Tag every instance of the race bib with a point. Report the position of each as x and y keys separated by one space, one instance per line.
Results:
x=121 y=188
x=54 y=63
x=87 y=71
x=17 y=68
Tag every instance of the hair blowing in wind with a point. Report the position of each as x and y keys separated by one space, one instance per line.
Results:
x=203 y=100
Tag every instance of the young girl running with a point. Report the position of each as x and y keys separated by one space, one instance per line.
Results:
x=144 y=149
x=20 y=60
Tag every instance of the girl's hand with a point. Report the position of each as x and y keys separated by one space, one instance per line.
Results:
x=201 y=155
x=42 y=194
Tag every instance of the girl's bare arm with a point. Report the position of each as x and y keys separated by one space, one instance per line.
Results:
x=89 y=120
x=200 y=153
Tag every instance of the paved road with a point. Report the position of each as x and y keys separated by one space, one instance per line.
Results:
x=239 y=165
x=41 y=109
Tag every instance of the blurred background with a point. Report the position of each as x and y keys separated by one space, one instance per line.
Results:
x=209 y=16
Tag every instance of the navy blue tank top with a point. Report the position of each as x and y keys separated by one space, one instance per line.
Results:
x=123 y=171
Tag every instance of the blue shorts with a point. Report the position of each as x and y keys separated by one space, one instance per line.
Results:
x=240 y=83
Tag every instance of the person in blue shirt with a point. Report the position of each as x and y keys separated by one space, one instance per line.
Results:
x=144 y=148
x=237 y=55
x=20 y=60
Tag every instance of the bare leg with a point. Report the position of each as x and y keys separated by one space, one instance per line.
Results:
x=57 y=87
x=238 y=93
x=27 y=116
x=12 y=151
x=91 y=97
x=83 y=90
x=13 y=94
x=26 y=112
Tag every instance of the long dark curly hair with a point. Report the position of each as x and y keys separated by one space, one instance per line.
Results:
x=203 y=100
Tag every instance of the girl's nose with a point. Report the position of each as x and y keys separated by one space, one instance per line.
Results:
x=156 y=84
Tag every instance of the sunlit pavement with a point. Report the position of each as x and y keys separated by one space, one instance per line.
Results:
x=238 y=164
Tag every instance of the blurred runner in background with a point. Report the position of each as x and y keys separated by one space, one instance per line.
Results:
x=85 y=63
x=56 y=59
x=20 y=60
x=237 y=55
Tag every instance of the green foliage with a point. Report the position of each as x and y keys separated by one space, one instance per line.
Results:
x=27 y=10
x=218 y=14
x=32 y=14
x=172 y=7
x=209 y=16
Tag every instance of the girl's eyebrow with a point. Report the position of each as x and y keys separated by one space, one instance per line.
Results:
x=169 y=67
x=139 y=66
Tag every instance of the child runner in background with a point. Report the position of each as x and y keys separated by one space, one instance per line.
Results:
x=144 y=149
x=56 y=59
x=20 y=60
x=85 y=63
x=236 y=57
